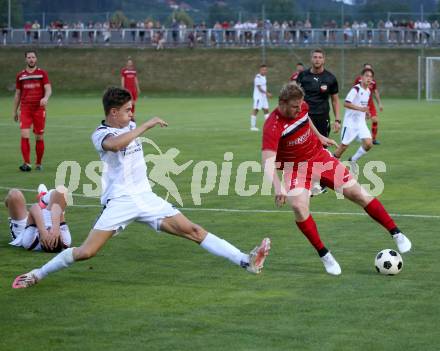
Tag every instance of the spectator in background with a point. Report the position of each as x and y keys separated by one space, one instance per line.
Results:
x=36 y=30
x=4 y=29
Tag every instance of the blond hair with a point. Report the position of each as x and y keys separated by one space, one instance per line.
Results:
x=291 y=91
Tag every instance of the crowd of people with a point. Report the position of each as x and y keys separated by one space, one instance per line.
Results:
x=249 y=32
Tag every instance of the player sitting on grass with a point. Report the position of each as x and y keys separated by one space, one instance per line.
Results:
x=127 y=197
x=43 y=228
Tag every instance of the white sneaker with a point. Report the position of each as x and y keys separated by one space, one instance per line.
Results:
x=402 y=242
x=257 y=256
x=25 y=280
x=317 y=189
x=330 y=264
x=254 y=129
x=42 y=189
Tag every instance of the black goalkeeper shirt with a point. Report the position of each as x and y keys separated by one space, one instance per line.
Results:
x=318 y=88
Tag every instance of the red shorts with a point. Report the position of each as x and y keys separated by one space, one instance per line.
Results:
x=372 y=108
x=324 y=168
x=33 y=116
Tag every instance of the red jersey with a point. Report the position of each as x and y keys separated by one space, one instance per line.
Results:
x=294 y=76
x=129 y=75
x=292 y=139
x=31 y=86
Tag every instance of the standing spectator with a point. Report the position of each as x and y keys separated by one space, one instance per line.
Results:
x=130 y=82
x=4 y=29
x=36 y=30
x=27 y=31
x=175 y=31
x=32 y=94
x=133 y=26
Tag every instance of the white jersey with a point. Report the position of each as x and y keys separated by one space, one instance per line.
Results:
x=124 y=172
x=358 y=96
x=259 y=81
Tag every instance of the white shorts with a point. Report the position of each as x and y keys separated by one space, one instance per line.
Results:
x=351 y=132
x=17 y=227
x=261 y=103
x=146 y=208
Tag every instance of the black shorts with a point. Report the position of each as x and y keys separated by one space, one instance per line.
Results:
x=322 y=123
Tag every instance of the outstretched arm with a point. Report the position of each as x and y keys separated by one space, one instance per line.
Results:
x=116 y=143
x=324 y=141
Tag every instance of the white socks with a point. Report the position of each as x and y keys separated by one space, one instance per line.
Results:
x=359 y=153
x=63 y=260
x=220 y=247
x=253 y=121
x=266 y=116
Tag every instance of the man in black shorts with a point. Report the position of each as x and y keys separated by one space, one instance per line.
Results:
x=318 y=85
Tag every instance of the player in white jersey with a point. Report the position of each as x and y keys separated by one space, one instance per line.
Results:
x=260 y=97
x=127 y=197
x=43 y=227
x=355 y=125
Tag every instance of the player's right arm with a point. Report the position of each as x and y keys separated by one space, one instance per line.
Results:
x=45 y=239
x=17 y=97
x=116 y=143
x=122 y=82
x=270 y=172
x=348 y=102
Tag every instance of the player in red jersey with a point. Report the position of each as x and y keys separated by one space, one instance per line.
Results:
x=130 y=82
x=372 y=107
x=299 y=68
x=32 y=93
x=292 y=143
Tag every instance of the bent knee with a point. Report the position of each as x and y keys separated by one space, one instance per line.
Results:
x=14 y=195
x=368 y=145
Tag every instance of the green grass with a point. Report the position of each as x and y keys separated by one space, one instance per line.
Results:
x=208 y=72
x=157 y=292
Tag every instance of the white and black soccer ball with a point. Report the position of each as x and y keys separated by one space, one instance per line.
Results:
x=388 y=262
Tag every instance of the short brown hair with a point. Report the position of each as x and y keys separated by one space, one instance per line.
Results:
x=365 y=70
x=30 y=51
x=291 y=91
x=318 y=50
x=115 y=98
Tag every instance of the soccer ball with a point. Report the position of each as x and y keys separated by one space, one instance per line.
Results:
x=388 y=262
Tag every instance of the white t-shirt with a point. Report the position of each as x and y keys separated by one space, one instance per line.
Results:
x=259 y=81
x=124 y=172
x=358 y=96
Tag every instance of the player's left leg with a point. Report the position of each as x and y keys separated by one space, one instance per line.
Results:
x=374 y=129
x=254 y=116
x=39 y=122
x=181 y=226
x=375 y=210
x=94 y=242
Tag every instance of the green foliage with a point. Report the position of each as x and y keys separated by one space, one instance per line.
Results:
x=16 y=13
x=220 y=12
x=119 y=19
x=180 y=16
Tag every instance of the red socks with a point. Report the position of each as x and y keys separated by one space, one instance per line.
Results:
x=376 y=211
x=309 y=229
x=374 y=130
x=39 y=149
x=26 y=150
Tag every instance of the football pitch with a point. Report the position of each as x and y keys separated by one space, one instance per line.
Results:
x=149 y=291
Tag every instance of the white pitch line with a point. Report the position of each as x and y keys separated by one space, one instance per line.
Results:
x=237 y=210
